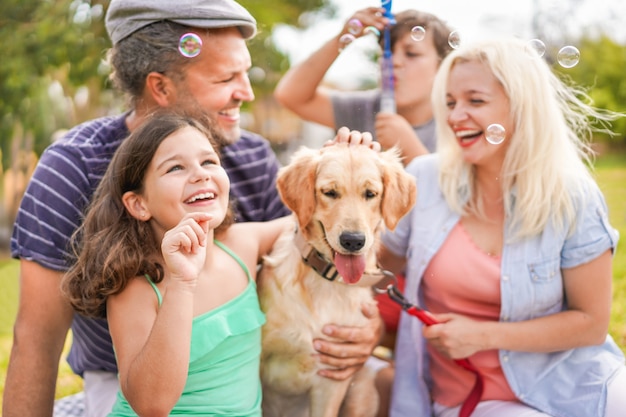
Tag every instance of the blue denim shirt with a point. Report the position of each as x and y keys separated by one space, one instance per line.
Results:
x=571 y=383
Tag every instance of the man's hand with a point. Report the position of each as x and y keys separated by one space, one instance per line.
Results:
x=353 y=347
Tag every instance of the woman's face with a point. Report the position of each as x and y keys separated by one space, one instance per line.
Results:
x=476 y=100
x=415 y=65
x=185 y=176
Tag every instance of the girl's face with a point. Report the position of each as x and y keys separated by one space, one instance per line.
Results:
x=184 y=176
x=475 y=100
x=415 y=65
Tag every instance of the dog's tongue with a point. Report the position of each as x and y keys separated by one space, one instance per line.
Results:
x=350 y=267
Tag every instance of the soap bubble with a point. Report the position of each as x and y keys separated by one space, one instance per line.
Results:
x=256 y=74
x=568 y=56
x=373 y=30
x=345 y=40
x=454 y=40
x=536 y=48
x=355 y=26
x=418 y=33
x=190 y=45
x=495 y=134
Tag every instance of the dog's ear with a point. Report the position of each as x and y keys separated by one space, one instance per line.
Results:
x=296 y=184
x=399 y=192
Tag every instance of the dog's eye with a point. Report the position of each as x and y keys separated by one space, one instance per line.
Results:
x=369 y=194
x=330 y=194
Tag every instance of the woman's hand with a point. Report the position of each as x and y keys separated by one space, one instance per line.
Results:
x=456 y=336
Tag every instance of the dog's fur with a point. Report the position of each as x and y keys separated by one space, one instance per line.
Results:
x=340 y=196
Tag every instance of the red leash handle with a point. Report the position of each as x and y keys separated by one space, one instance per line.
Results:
x=427 y=318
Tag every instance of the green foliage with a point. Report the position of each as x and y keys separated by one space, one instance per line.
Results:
x=67 y=383
x=42 y=41
x=610 y=173
x=265 y=57
x=9 y=270
x=601 y=70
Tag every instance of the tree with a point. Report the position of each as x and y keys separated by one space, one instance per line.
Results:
x=601 y=70
x=53 y=75
x=45 y=42
x=602 y=57
x=49 y=44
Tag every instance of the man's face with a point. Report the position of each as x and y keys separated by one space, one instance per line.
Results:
x=216 y=82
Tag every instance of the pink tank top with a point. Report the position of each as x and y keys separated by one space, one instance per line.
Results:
x=463 y=279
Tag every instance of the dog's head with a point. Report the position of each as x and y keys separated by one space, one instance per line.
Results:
x=341 y=195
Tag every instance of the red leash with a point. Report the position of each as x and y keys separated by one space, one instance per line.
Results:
x=425 y=317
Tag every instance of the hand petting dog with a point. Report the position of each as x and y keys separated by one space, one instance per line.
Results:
x=357 y=344
x=354 y=137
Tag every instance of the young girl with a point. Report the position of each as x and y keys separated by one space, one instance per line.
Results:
x=162 y=261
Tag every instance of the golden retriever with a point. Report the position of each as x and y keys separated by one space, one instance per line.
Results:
x=323 y=272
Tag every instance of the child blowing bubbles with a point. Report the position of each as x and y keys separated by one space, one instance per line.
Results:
x=161 y=260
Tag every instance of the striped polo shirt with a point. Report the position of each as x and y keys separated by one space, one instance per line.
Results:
x=63 y=183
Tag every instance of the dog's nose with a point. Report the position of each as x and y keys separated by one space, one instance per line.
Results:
x=352 y=241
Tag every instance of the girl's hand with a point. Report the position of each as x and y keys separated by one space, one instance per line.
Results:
x=456 y=336
x=184 y=248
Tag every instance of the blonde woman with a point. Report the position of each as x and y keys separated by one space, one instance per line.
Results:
x=509 y=246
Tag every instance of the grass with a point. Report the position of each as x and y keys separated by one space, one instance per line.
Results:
x=8 y=307
x=610 y=171
x=67 y=382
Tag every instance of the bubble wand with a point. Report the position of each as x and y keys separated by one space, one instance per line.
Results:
x=387 y=98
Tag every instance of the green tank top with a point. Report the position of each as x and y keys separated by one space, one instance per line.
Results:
x=223 y=377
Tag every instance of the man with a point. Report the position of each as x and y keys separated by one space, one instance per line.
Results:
x=148 y=66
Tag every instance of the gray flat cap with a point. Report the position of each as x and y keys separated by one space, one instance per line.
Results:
x=125 y=17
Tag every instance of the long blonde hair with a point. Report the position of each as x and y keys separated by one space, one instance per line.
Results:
x=549 y=152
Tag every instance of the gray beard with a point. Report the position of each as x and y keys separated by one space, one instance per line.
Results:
x=190 y=108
